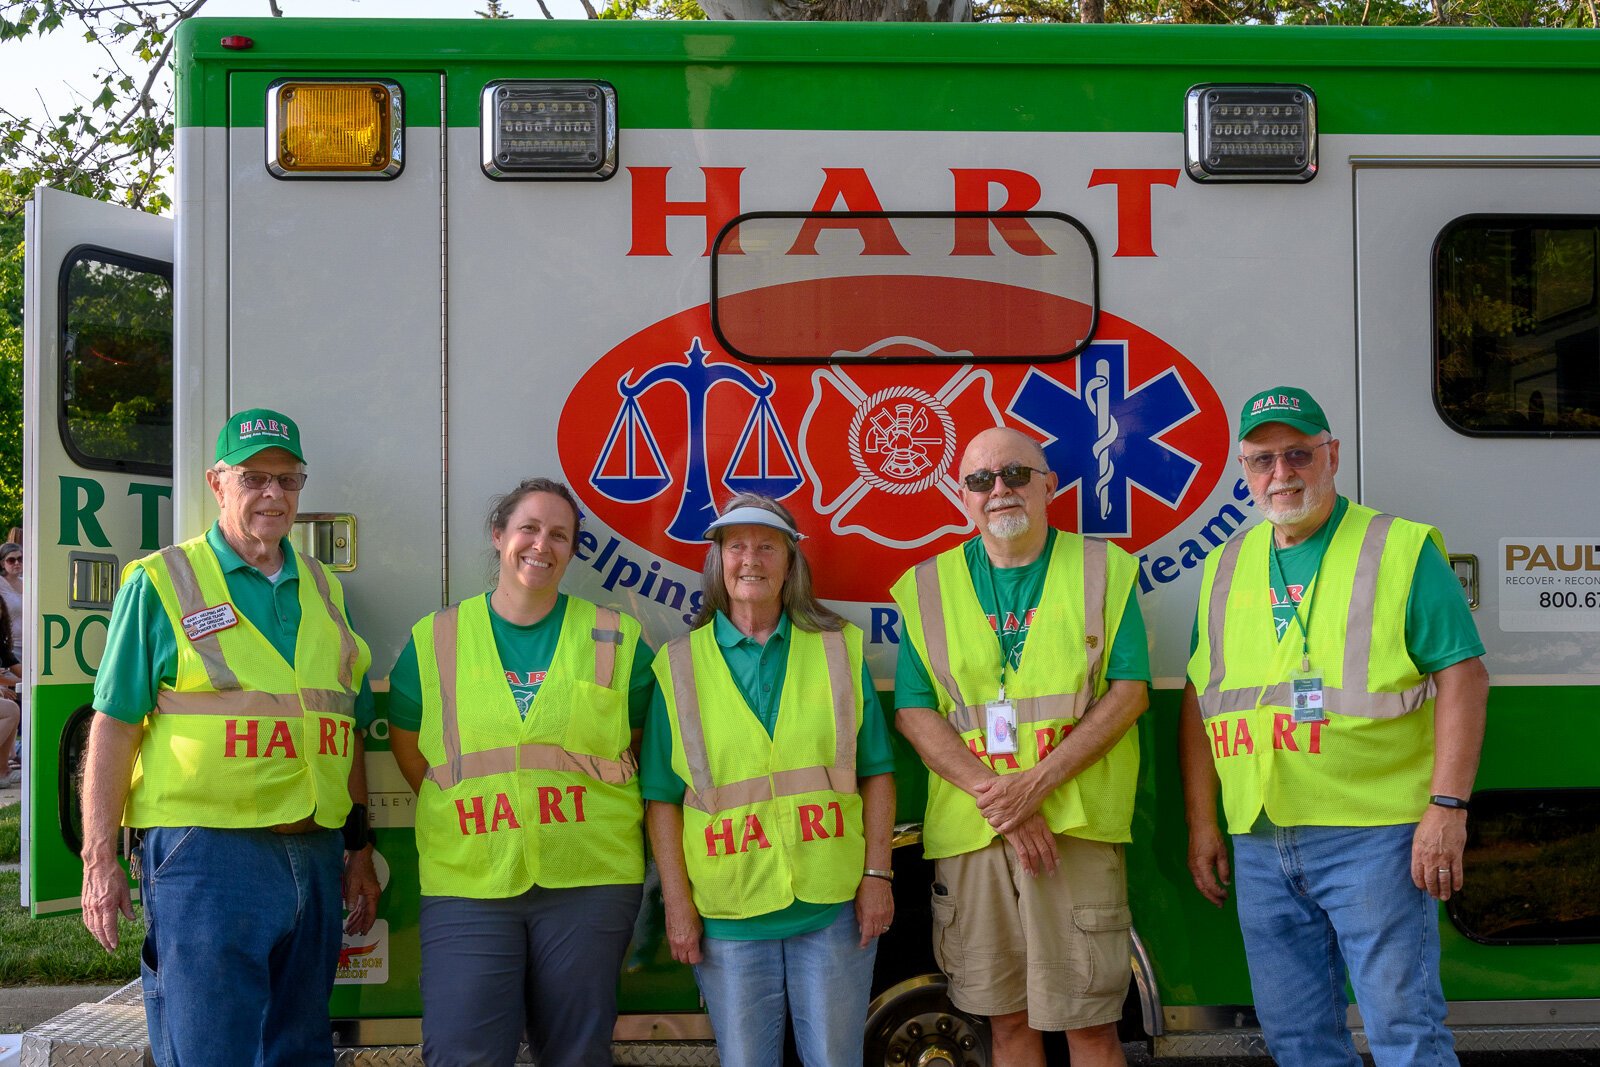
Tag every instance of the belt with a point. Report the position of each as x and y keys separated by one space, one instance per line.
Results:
x=301 y=826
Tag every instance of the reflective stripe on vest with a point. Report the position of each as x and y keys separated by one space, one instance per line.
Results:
x=702 y=795
x=1035 y=709
x=459 y=768
x=1353 y=698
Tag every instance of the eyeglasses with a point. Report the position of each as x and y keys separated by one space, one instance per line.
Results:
x=1015 y=475
x=12 y=559
x=1296 y=458
x=258 y=480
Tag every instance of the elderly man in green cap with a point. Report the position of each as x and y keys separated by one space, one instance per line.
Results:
x=230 y=702
x=1337 y=695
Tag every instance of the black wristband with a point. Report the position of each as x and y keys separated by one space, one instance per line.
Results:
x=357 y=833
x=1453 y=803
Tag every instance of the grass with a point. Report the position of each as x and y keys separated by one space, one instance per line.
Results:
x=11 y=833
x=58 y=950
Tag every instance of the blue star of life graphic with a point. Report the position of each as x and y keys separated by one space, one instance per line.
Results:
x=1105 y=438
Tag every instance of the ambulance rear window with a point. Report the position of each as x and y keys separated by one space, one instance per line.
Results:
x=116 y=361
x=1516 y=314
x=904 y=287
x=1533 y=860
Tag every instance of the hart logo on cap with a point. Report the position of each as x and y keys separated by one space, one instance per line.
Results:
x=248 y=432
x=1292 y=407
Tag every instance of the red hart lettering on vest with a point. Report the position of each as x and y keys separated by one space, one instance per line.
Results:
x=241 y=738
x=1233 y=739
x=753 y=833
x=470 y=813
x=811 y=827
x=209 y=620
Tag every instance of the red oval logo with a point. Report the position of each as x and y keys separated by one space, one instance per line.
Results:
x=666 y=426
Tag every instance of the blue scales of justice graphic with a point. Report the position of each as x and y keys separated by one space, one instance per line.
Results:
x=1103 y=437
x=644 y=471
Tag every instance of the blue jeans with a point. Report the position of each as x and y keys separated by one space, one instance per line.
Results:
x=823 y=978
x=1317 y=900
x=545 y=960
x=241 y=942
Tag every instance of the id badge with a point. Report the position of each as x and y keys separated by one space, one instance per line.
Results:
x=1305 y=697
x=1000 y=728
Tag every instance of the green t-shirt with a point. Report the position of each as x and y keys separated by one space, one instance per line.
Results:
x=526 y=653
x=1439 y=627
x=758 y=670
x=1010 y=596
x=142 y=652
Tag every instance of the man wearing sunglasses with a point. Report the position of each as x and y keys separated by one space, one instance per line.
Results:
x=1023 y=666
x=229 y=707
x=1337 y=696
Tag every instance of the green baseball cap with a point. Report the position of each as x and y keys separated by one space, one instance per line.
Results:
x=254 y=430
x=1285 y=404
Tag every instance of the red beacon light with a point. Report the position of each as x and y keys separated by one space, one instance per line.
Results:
x=237 y=42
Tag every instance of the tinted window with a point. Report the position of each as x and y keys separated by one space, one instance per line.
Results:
x=903 y=287
x=1517 y=325
x=1533 y=862
x=116 y=361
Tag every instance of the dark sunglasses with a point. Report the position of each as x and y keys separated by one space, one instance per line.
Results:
x=1015 y=476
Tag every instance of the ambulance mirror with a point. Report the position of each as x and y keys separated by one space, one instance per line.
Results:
x=904 y=287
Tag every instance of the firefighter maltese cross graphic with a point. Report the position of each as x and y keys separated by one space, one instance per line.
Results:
x=890 y=477
x=1105 y=438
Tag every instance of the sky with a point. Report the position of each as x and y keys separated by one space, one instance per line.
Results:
x=42 y=76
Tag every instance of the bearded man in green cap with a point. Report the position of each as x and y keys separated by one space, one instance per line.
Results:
x=1337 y=694
x=229 y=705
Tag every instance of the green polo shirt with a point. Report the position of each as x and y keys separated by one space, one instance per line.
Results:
x=526 y=653
x=758 y=670
x=1009 y=596
x=142 y=652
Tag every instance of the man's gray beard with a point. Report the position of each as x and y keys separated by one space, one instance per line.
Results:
x=1009 y=527
x=1310 y=500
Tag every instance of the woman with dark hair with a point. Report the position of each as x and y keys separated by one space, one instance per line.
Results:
x=515 y=716
x=768 y=772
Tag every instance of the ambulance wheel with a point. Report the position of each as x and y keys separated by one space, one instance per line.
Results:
x=913 y=1024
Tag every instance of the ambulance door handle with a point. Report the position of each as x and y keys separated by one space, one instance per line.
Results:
x=91 y=580
x=1466 y=567
x=327 y=536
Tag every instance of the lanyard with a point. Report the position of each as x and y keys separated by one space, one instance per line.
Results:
x=1306 y=598
x=999 y=626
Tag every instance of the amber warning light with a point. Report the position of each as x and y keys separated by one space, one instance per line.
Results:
x=334 y=129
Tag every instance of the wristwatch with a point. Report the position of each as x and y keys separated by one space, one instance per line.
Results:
x=1453 y=803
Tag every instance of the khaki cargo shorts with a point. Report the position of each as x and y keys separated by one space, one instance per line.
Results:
x=1056 y=945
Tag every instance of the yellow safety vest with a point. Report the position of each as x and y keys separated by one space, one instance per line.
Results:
x=242 y=739
x=1370 y=763
x=1086 y=588
x=511 y=802
x=767 y=820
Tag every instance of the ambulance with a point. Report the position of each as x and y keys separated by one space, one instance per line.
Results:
x=665 y=262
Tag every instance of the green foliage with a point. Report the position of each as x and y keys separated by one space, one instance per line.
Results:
x=10 y=369
x=672 y=10
x=58 y=950
x=10 y=831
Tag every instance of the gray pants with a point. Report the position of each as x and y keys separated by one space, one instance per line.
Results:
x=547 y=960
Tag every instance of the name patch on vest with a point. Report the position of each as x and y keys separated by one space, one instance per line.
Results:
x=209 y=621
